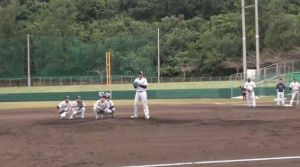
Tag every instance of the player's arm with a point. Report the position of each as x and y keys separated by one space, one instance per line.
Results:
x=144 y=84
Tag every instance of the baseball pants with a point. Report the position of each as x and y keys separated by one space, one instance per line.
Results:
x=251 y=101
x=65 y=113
x=295 y=96
x=77 y=111
x=99 y=111
x=141 y=96
x=280 y=98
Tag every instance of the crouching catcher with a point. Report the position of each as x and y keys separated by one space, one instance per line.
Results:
x=64 y=108
x=101 y=106
x=78 y=108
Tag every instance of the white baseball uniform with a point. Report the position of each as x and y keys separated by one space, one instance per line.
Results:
x=141 y=95
x=295 y=92
x=111 y=107
x=65 y=109
x=100 y=107
x=250 y=95
x=77 y=108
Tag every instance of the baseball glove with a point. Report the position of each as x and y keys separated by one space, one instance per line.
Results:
x=135 y=84
x=60 y=112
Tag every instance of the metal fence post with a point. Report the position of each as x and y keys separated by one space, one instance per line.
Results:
x=292 y=66
x=277 y=69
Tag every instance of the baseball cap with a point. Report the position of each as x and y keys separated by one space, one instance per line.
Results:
x=67 y=97
x=141 y=73
x=78 y=97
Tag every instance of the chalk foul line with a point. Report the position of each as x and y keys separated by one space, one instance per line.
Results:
x=219 y=161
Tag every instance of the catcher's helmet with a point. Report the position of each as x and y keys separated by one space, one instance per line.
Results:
x=107 y=94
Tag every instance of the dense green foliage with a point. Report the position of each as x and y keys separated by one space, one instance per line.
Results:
x=198 y=37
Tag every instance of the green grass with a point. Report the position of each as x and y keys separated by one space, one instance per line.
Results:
x=115 y=87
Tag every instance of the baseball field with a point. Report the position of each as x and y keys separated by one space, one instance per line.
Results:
x=191 y=132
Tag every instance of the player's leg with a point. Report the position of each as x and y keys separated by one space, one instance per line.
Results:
x=96 y=110
x=292 y=98
x=283 y=102
x=248 y=98
x=297 y=97
x=63 y=114
x=73 y=113
x=278 y=98
x=82 y=110
x=145 y=104
x=253 y=99
x=135 y=108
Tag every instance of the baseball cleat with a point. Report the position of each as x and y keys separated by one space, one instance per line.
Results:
x=134 y=117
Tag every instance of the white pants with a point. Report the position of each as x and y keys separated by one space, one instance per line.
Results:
x=295 y=96
x=250 y=97
x=141 y=96
x=99 y=111
x=77 y=112
x=66 y=113
x=280 y=98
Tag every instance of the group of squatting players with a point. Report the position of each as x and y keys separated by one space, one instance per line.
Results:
x=76 y=109
x=105 y=106
x=248 y=91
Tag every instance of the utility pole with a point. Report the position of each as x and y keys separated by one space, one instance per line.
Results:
x=257 y=41
x=158 y=58
x=256 y=38
x=28 y=61
x=244 y=41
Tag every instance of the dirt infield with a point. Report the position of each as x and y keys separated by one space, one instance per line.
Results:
x=176 y=133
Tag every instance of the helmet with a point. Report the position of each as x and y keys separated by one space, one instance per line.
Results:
x=101 y=94
x=107 y=94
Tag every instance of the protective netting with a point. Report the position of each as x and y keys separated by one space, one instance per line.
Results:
x=70 y=56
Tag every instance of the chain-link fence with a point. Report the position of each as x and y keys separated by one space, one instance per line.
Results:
x=100 y=80
x=273 y=71
x=279 y=69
